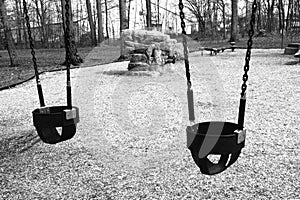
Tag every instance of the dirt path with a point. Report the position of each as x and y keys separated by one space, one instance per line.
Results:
x=130 y=142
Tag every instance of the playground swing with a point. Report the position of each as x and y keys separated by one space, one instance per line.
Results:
x=47 y=118
x=225 y=139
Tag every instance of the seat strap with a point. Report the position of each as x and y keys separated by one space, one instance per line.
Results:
x=50 y=135
x=209 y=168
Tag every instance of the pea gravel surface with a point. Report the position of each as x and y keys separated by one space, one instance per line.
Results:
x=131 y=141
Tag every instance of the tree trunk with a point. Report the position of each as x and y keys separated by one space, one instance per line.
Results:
x=18 y=21
x=24 y=31
x=91 y=23
x=44 y=23
x=122 y=10
x=158 y=20
x=258 y=15
x=148 y=15
x=279 y=17
x=106 y=19
x=201 y=26
x=288 y=16
x=128 y=14
x=247 y=9
x=123 y=23
x=215 y=19
x=40 y=10
x=10 y=46
x=75 y=58
x=281 y=21
x=224 y=18
x=209 y=18
x=234 y=20
x=282 y=14
x=246 y=17
x=270 y=15
x=100 y=23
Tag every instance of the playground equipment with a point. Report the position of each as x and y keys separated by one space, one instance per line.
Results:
x=223 y=138
x=215 y=51
x=47 y=118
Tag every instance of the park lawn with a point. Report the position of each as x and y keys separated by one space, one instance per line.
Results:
x=50 y=59
x=47 y=60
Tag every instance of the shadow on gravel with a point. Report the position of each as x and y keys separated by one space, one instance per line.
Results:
x=131 y=73
x=115 y=73
x=292 y=63
x=17 y=144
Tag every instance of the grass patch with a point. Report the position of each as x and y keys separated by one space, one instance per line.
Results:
x=48 y=60
x=107 y=52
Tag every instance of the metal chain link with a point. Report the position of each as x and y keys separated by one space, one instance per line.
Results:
x=31 y=42
x=67 y=33
x=68 y=51
x=249 y=47
x=186 y=55
x=38 y=82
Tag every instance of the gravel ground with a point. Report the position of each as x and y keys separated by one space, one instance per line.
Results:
x=131 y=143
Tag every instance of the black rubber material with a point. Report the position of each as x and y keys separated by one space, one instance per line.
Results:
x=46 y=123
x=209 y=168
x=226 y=145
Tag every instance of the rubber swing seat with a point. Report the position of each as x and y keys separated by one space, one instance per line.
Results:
x=47 y=119
x=215 y=138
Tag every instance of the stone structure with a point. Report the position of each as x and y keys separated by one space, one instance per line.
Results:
x=155 y=43
x=138 y=62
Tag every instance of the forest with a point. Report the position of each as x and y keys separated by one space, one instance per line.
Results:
x=93 y=21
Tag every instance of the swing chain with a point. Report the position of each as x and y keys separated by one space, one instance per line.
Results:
x=31 y=42
x=186 y=58
x=67 y=33
x=249 y=47
x=68 y=50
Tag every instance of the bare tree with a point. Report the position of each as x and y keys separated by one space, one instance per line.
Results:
x=196 y=8
x=123 y=20
x=234 y=20
x=128 y=13
x=75 y=58
x=100 y=23
x=18 y=21
x=41 y=13
x=288 y=14
x=10 y=46
x=123 y=23
x=91 y=22
x=270 y=15
x=281 y=15
x=223 y=10
x=259 y=15
x=215 y=17
x=149 y=14
x=106 y=19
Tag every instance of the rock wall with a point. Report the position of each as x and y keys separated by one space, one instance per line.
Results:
x=143 y=39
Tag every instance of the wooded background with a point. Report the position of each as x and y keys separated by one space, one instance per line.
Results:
x=96 y=20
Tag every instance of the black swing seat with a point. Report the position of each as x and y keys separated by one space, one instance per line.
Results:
x=221 y=138
x=46 y=119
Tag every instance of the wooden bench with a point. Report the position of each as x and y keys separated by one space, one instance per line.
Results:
x=213 y=51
